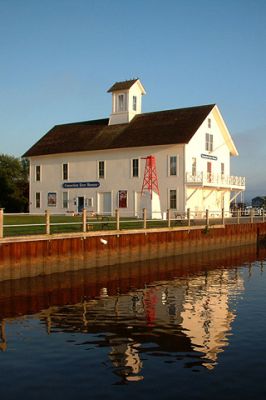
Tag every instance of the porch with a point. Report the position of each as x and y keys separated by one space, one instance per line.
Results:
x=205 y=179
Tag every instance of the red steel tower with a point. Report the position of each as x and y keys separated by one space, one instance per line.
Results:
x=150 y=180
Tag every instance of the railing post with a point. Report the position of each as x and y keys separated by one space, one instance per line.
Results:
x=47 y=222
x=144 y=218
x=169 y=218
x=238 y=216
x=84 y=219
x=188 y=216
x=223 y=219
x=263 y=215
x=1 y=222
x=207 y=217
x=251 y=215
x=117 y=217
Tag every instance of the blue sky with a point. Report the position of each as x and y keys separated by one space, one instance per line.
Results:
x=58 y=58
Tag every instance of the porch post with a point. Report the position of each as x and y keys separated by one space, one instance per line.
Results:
x=223 y=220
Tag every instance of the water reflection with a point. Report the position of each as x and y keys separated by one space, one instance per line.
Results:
x=166 y=319
x=3 y=344
x=179 y=310
x=206 y=315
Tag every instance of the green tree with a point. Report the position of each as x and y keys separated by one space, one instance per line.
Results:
x=14 y=184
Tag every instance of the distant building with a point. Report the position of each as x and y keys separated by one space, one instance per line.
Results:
x=99 y=165
x=259 y=201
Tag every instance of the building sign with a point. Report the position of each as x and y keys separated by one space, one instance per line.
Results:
x=122 y=199
x=80 y=185
x=51 y=199
x=209 y=157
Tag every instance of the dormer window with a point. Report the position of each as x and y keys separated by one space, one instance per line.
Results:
x=134 y=103
x=121 y=102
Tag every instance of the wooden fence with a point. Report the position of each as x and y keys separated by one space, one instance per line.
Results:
x=87 y=222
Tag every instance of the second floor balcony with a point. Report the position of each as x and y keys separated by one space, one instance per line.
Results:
x=206 y=179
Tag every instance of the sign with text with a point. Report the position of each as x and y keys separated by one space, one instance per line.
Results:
x=209 y=157
x=80 y=185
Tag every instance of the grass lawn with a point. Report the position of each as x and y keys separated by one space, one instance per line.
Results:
x=35 y=224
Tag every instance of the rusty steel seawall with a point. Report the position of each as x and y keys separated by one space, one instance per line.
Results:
x=44 y=255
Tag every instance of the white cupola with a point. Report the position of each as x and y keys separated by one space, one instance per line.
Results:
x=126 y=101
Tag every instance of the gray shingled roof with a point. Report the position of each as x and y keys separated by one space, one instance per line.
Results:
x=122 y=85
x=149 y=129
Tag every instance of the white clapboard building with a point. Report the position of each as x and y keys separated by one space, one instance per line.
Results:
x=99 y=165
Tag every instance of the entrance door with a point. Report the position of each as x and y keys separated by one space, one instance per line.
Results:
x=209 y=171
x=105 y=203
x=80 y=204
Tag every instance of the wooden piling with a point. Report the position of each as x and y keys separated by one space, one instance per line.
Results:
x=1 y=222
x=207 y=218
x=223 y=219
x=169 y=218
x=144 y=218
x=84 y=220
x=238 y=216
x=188 y=216
x=47 y=222
x=117 y=217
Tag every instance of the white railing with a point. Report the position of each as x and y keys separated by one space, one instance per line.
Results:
x=208 y=179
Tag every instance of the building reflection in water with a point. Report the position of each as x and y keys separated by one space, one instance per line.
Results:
x=187 y=318
x=206 y=316
x=188 y=315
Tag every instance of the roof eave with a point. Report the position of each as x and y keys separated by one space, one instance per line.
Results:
x=227 y=137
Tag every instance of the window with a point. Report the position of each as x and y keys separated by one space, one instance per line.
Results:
x=38 y=200
x=65 y=172
x=51 y=199
x=135 y=103
x=122 y=199
x=173 y=165
x=135 y=168
x=65 y=199
x=89 y=202
x=173 y=198
x=121 y=102
x=101 y=169
x=194 y=166
x=209 y=142
x=209 y=123
x=38 y=172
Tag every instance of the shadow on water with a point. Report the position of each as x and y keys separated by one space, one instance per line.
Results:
x=176 y=309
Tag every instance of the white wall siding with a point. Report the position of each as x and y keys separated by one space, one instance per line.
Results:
x=83 y=167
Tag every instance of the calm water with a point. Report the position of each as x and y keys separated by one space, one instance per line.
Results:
x=188 y=327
